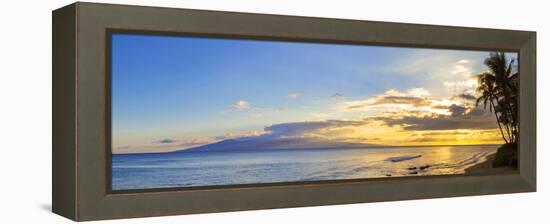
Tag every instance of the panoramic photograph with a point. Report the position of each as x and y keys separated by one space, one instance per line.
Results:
x=197 y=112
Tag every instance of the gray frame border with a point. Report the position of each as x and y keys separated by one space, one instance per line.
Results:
x=80 y=109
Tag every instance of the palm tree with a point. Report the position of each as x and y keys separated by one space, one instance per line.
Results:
x=498 y=88
x=487 y=88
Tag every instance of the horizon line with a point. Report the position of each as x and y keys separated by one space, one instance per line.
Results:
x=357 y=147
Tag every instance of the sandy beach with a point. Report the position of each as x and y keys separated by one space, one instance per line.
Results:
x=486 y=167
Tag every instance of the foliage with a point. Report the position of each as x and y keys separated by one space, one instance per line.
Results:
x=498 y=89
x=507 y=155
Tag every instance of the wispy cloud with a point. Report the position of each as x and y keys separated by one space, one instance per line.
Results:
x=294 y=94
x=165 y=141
x=452 y=69
x=298 y=129
x=462 y=67
x=193 y=142
x=185 y=142
x=462 y=76
x=235 y=135
x=463 y=84
x=415 y=97
x=463 y=61
x=123 y=147
x=241 y=105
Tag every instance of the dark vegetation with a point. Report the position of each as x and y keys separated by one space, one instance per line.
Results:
x=498 y=89
x=507 y=155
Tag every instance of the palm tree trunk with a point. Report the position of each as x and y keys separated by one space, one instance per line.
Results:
x=516 y=129
x=498 y=122
x=509 y=114
x=514 y=126
x=510 y=135
x=507 y=126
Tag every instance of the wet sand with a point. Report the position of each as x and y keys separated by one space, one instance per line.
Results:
x=487 y=167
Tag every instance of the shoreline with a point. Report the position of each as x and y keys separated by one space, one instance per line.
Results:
x=486 y=167
x=358 y=147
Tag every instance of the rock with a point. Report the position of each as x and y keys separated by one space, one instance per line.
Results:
x=425 y=167
x=414 y=172
x=412 y=168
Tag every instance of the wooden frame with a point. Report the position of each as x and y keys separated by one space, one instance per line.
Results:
x=81 y=112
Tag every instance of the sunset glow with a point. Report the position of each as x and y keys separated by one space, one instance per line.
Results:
x=176 y=93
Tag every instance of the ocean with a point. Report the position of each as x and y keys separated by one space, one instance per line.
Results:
x=191 y=169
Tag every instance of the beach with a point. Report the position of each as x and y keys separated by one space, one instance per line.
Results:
x=487 y=168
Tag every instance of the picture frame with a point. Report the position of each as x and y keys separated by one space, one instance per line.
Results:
x=81 y=111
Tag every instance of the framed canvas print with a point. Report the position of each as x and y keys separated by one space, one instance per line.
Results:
x=201 y=111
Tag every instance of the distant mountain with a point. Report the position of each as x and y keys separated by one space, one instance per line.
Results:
x=258 y=143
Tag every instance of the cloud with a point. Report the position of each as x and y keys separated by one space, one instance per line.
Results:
x=293 y=94
x=123 y=147
x=450 y=68
x=233 y=135
x=166 y=141
x=442 y=122
x=438 y=114
x=463 y=61
x=416 y=97
x=467 y=96
x=398 y=127
x=446 y=136
x=415 y=101
x=294 y=129
x=196 y=142
x=186 y=142
x=440 y=107
x=297 y=129
x=424 y=120
x=219 y=138
x=457 y=110
x=241 y=105
x=477 y=111
x=463 y=76
x=464 y=84
x=415 y=92
x=463 y=68
x=452 y=132
x=415 y=109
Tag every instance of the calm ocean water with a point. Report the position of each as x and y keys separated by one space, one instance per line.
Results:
x=186 y=169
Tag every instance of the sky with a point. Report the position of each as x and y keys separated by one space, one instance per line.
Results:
x=172 y=93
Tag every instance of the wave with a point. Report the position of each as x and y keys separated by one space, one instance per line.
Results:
x=463 y=164
x=402 y=158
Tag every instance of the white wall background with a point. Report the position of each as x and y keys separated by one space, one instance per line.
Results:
x=25 y=111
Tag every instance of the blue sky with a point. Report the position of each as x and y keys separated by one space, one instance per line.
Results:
x=193 y=89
